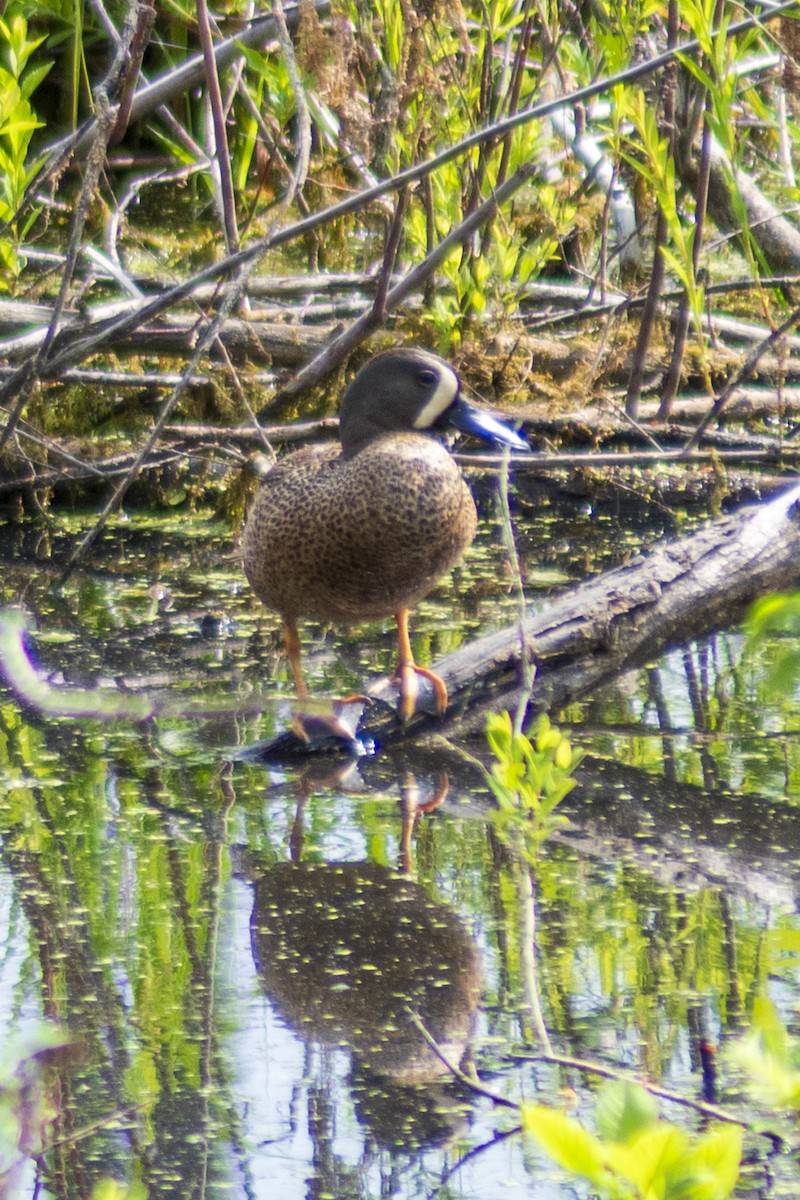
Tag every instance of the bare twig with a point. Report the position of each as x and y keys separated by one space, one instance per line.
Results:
x=301 y=104
x=393 y=238
x=648 y=316
x=206 y=338
x=541 y=463
x=173 y=84
x=230 y=264
x=102 y=129
x=589 y=1067
x=144 y=14
x=656 y=285
x=744 y=372
x=220 y=154
x=672 y=379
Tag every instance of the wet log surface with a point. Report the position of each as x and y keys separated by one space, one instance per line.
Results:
x=623 y=619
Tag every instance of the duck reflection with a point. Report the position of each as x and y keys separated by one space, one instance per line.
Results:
x=347 y=952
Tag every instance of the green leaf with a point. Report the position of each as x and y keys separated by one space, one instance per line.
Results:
x=766 y=1054
x=567 y=1142
x=33 y=78
x=646 y=1159
x=624 y=1109
x=710 y=1168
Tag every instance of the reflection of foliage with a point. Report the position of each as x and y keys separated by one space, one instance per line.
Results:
x=110 y=1189
x=108 y=932
x=121 y=858
x=647 y=956
x=637 y=1156
x=118 y=857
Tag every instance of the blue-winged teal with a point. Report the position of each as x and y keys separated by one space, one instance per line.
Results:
x=365 y=532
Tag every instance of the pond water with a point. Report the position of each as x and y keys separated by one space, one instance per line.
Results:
x=230 y=949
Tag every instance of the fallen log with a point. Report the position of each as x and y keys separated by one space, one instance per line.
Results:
x=678 y=591
x=591 y=422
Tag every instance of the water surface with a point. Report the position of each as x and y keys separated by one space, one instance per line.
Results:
x=233 y=949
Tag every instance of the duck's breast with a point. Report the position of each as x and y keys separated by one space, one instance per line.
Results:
x=357 y=539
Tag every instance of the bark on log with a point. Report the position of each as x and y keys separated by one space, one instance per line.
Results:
x=680 y=590
x=777 y=239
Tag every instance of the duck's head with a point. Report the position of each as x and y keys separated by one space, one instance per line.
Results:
x=411 y=390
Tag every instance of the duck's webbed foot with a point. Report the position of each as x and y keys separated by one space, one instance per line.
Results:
x=407 y=674
x=407 y=678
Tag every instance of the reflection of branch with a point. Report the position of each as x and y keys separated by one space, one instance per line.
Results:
x=527 y=665
x=97 y=703
x=594 y=1068
x=527 y=951
x=21 y=675
x=112 y=1123
x=587 y=1067
x=500 y=1135
x=455 y=1071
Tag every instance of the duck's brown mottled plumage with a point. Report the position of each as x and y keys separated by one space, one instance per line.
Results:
x=366 y=532
x=357 y=539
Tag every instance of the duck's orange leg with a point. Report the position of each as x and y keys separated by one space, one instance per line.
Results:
x=292 y=641
x=316 y=728
x=407 y=672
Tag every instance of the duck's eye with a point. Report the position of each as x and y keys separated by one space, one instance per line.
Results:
x=427 y=376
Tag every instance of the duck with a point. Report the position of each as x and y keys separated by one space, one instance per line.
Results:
x=365 y=530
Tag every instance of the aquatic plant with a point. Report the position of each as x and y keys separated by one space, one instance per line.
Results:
x=529 y=778
x=19 y=79
x=636 y=1155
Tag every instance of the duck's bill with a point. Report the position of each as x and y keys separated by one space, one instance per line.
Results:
x=468 y=419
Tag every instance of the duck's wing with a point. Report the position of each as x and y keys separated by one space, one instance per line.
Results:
x=308 y=461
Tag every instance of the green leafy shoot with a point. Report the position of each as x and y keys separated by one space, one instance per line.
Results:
x=637 y=1156
x=775 y=620
x=18 y=81
x=529 y=778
